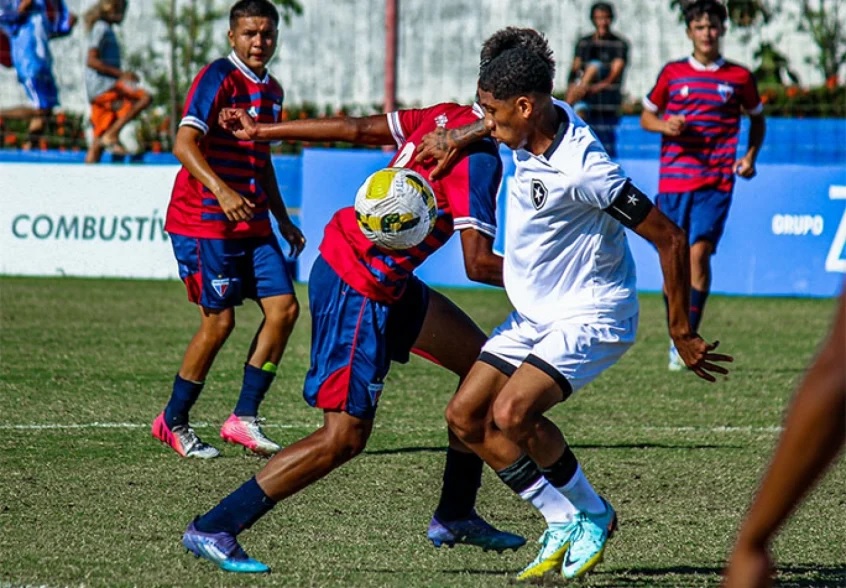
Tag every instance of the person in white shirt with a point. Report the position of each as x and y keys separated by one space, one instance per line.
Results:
x=571 y=279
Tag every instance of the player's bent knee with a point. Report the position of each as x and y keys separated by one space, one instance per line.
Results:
x=510 y=419
x=463 y=424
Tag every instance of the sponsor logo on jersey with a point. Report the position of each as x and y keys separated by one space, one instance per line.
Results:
x=685 y=91
x=539 y=194
x=221 y=286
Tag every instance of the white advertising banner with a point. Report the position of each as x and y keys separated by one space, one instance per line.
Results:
x=85 y=220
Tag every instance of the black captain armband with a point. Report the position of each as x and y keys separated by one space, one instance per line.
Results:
x=631 y=206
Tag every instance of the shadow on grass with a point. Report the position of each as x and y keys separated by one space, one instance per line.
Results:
x=788 y=576
x=648 y=445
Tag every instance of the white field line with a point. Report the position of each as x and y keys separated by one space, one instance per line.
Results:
x=202 y=425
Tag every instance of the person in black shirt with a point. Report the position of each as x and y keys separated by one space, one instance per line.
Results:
x=597 y=76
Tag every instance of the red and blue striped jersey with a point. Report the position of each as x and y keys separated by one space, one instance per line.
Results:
x=710 y=98
x=466 y=198
x=194 y=210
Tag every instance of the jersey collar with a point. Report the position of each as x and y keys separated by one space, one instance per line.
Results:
x=242 y=67
x=563 y=125
x=713 y=66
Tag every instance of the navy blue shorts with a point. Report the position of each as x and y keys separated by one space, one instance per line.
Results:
x=221 y=273
x=354 y=339
x=701 y=214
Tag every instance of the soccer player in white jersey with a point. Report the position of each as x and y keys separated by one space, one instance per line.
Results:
x=571 y=278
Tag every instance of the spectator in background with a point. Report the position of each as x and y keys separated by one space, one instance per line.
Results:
x=113 y=92
x=701 y=98
x=813 y=435
x=29 y=25
x=596 y=77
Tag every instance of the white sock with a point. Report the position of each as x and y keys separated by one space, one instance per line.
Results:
x=553 y=505
x=581 y=494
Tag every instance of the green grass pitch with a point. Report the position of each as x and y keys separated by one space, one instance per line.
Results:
x=88 y=498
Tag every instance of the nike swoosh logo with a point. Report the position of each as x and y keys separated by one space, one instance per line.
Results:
x=567 y=561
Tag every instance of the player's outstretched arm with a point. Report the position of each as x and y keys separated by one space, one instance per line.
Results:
x=814 y=433
x=480 y=262
x=445 y=146
x=633 y=208
x=366 y=130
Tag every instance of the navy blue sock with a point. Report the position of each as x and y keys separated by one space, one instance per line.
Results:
x=238 y=511
x=462 y=478
x=183 y=397
x=256 y=383
x=697 y=306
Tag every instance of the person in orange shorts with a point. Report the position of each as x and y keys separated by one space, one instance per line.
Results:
x=114 y=93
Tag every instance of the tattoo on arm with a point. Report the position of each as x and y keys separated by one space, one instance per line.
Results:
x=464 y=136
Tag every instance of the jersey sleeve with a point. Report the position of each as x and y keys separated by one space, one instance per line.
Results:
x=602 y=180
x=203 y=102
x=750 y=99
x=403 y=122
x=474 y=202
x=658 y=97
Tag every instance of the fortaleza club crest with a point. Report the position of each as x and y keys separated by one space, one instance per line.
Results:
x=221 y=286
x=725 y=91
x=539 y=193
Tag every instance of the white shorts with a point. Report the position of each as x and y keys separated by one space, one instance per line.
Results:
x=572 y=354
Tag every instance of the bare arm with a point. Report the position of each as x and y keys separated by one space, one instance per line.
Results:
x=367 y=130
x=292 y=234
x=814 y=433
x=445 y=146
x=674 y=255
x=94 y=62
x=613 y=77
x=480 y=262
x=745 y=166
x=672 y=126
x=23 y=6
x=185 y=149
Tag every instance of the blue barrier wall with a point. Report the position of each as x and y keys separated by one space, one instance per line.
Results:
x=785 y=236
x=786 y=233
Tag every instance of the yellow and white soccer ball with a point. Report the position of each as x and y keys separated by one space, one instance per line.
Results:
x=396 y=208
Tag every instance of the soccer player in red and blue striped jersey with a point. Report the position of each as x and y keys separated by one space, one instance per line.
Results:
x=696 y=105
x=219 y=223
x=369 y=310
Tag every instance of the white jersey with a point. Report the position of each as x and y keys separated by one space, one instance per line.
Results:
x=565 y=259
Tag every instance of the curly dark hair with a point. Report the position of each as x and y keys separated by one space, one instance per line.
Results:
x=516 y=72
x=699 y=8
x=248 y=8
x=514 y=38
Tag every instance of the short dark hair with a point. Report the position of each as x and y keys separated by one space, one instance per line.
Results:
x=700 y=8
x=516 y=72
x=517 y=38
x=247 y=8
x=604 y=6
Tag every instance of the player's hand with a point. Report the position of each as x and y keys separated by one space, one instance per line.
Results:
x=745 y=168
x=294 y=236
x=436 y=146
x=748 y=567
x=238 y=122
x=698 y=356
x=234 y=206
x=674 y=125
